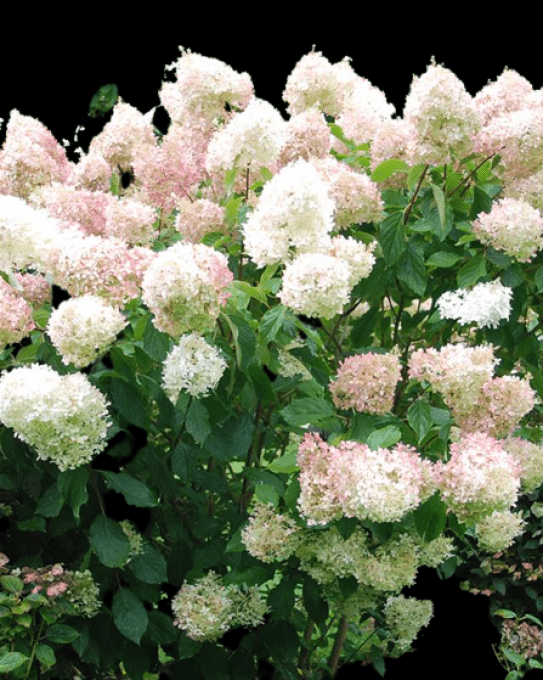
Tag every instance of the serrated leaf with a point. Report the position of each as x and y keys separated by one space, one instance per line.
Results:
x=384 y=438
x=271 y=323
x=149 y=566
x=197 y=422
x=472 y=271
x=51 y=502
x=110 y=542
x=11 y=660
x=411 y=269
x=58 y=632
x=46 y=655
x=419 y=418
x=393 y=238
x=285 y=464
x=72 y=484
x=443 y=259
x=387 y=168
x=129 y=615
x=307 y=411
x=430 y=518
x=135 y=492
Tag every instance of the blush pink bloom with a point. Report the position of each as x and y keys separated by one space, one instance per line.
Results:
x=366 y=382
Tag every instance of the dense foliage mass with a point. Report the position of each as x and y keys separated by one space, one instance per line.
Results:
x=294 y=362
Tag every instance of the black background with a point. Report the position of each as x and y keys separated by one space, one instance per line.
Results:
x=51 y=66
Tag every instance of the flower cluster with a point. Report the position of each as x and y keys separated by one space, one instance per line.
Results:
x=522 y=638
x=500 y=406
x=69 y=592
x=207 y=609
x=82 y=328
x=442 y=114
x=270 y=536
x=135 y=539
x=353 y=480
x=314 y=81
x=315 y=284
x=366 y=382
x=184 y=287
x=457 y=371
x=92 y=265
x=294 y=211
x=486 y=304
x=64 y=418
x=498 y=530
x=16 y=320
x=405 y=616
x=530 y=457
x=512 y=225
x=254 y=136
x=192 y=365
x=479 y=477
x=195 y=219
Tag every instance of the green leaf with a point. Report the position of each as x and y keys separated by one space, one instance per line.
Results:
x=51 y=502
x=72 y=484
x=443 y=259
x=130 y=403
x=62 y=634
x=505 y=613
x=12 y=583
x=197 y=422
x=514 y=657
x=32 y=524
x=419 y=418
x=387 y=168
x=265 y=493
x=411 y=269
x=430 y=518
x=156 y=343
x=103 y=100
x=252 y=291
x=149 y=566
x=232 y=439
x=384 y=438
x=285 y=464
x=439 y=198
x=110 y=542
x=307 y=411
x=129 y=615
x=414 y=174
x=271 y=323
x=393 y=238
x=281 y=599
x=46 y=655
x=314 y=602
x=481 y=203
x=135 y=492
x=472 y=271
x=11 y=660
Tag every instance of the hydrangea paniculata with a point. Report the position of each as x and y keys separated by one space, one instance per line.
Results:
x=485 y=305
x=498 y=531
x=192 y=365
x=84 y=327
x=206 y=609
x=316 y=284
x=366 y=382
x=443 y=115
x=270 y=536
x=479 y=477
x=184 y=287
x=63 y=417
x=294 y=211
x=513 y=226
